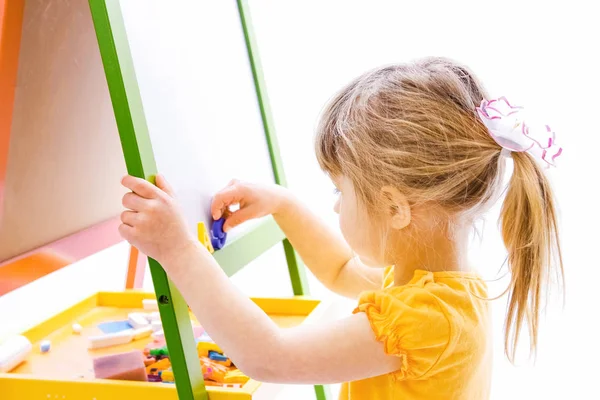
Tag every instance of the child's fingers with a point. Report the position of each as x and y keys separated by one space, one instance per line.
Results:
x=140 y=186
x=240 y=216
x=162 y=184
x=133 y=202
x=129 y=218
x=126 y=232
x=232 y=182
x=226 y=197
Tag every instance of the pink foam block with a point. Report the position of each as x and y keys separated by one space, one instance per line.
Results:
x=123 y=366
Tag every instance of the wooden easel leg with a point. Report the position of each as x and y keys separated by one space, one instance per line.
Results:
x=136 y=270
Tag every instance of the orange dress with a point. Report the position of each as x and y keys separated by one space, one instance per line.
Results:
x=439 y=325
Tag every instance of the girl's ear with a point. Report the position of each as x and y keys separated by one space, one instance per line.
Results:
x=397 y=206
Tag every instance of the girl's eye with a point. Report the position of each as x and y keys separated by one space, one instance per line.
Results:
x=336 y=191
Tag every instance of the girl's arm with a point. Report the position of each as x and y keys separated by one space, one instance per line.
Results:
x=333 y=352
x=324 y=252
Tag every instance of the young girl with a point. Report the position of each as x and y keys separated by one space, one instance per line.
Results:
x=416 y=152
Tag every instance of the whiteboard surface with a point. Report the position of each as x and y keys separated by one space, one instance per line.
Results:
x=199 y=99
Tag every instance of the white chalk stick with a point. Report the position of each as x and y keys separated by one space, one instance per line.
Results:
x=13 y=352
x=156 y=326
x=158 y=335
x=77 y=329
x=150 y=304
x=137 y=320
x=111 y=339
x=155 y=316
x=142 y=333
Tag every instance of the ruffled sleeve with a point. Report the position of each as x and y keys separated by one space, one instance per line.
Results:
x=411 y=324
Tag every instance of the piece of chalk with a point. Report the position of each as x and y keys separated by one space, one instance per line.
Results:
x=149 y=361
x=137 y=320
x=142 y=333
x=156 y=326
x=158 y=366
x=150 y=304
x=112 y=339
x=236 y=376
x=160 y=342
x=45 y=346
x=13 y=352
x=158 y=335
x=77 y=329
x=213 y=355
x=162 y=351
x=167 y=376
x=114 y=326
x=154 y=316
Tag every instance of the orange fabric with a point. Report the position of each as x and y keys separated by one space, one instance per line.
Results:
x=440 y=327
x=28 y=269
x=11 y=21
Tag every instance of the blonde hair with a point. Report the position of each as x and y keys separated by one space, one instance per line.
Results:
x=415 y=126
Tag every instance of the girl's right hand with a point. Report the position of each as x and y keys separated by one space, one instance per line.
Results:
x=255 y=201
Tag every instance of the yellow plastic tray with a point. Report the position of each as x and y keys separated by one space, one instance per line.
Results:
x=65 y=372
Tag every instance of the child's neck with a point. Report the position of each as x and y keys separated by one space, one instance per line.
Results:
x=438 y=250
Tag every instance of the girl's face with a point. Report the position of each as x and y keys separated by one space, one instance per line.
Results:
x=358 y=228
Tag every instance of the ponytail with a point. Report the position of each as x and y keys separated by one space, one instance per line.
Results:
x=530 y=233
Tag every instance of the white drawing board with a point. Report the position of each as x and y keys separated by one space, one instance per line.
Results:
x=199 y=99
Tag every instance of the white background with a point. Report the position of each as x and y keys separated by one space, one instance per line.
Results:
x=542 y=55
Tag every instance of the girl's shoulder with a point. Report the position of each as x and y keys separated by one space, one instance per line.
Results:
x=426 y=317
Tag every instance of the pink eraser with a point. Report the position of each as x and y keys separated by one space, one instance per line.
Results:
x=123 y=366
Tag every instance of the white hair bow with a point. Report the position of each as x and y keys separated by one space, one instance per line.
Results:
x=507 y=126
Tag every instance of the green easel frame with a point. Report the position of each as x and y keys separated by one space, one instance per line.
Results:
x=139 y=158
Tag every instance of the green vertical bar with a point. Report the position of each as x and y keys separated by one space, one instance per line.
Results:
x=323 y=392
x=139 y=158
x=297 y=272
x=261 y=92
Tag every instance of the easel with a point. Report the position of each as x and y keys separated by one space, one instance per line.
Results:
x=125 y=95
x=133 y=132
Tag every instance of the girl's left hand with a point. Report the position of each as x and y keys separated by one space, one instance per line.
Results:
x=154 y=223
